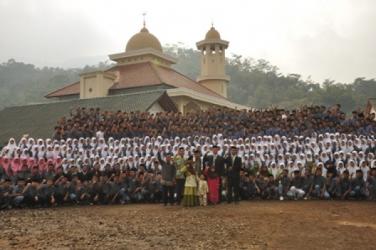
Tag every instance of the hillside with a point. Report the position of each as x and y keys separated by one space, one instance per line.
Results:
x=255 y=83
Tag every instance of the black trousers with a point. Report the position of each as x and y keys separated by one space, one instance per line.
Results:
x=233 y=187
x=44 y=200
x=30 y=201
x=59 y=198
x=179 y=189
x=5 y=201
x=168 y=194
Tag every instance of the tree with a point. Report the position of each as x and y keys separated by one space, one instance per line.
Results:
x=256 y=83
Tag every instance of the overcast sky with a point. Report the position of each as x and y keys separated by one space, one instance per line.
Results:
x=333 y=39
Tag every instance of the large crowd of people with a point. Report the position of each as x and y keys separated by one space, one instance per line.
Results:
x=186 y=170
x=230 y=123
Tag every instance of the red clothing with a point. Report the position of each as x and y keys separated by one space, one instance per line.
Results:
x=6 y=163
x=213 y=184
x=42 y=165
x=16 y=165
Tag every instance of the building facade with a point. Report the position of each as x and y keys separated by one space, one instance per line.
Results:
x=144 y=67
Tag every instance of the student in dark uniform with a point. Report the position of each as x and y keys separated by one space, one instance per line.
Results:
x=136 y=187
x=24 y=173
x=318 y=188
x=272 y=189
x=85 y=174
x=146 y=188
x=96 y=189
x=168 y=178
x=82 y=192
x=50 y=173
x=58 y=173
x=60 y=189
x=123 y=193
x=46 y=193
x=331 y=184
x=115 y=187
x=296 y=189
x=283 y=183
x=156 y=187
x=71 y=195
x=233 y=166
x=307 y=183
x=17 y=195
x=105 y=191
x=117 y=190
x=35 y=174
x=72 y=173
x=30 y=193
x=358 y=186
x=244 y=187
x=344 y=185
x=262 y=183
x=5 y=194
x=254 y=190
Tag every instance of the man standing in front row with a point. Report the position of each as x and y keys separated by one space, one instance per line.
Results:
x=168 y=178
x=233 y=167
x=218 y=162
x=181 y=168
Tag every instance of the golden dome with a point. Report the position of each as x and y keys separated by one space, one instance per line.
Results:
x=143 y=40
x=212 y=34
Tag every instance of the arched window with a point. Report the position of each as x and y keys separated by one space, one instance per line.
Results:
x=191 y=107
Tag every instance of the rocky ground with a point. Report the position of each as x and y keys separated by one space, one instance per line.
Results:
x=249 y=225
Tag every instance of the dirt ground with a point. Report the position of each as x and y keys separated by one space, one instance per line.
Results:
x=249 y=225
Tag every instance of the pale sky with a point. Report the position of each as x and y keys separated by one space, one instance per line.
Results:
x=333 y=39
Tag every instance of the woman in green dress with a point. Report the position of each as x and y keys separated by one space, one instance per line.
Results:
x=190 y=198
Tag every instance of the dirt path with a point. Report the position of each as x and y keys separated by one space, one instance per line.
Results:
x=250 y=225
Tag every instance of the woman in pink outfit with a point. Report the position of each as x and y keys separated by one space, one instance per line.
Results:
x=213 y=183
x=16 y=165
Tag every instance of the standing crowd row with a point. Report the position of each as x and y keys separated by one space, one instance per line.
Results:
x=83 y=122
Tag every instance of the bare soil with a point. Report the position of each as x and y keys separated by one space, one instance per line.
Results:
x=249 y=225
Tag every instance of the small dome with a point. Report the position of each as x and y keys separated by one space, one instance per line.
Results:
x=212 y=34
x=143 y=40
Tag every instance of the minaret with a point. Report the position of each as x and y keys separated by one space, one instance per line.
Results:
x=213 y=75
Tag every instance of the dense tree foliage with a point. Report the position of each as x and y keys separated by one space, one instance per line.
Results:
x=255 y=83
x=259 y=84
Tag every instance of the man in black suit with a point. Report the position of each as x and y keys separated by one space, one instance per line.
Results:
x=215 y=160
x=233 y=166
x=218 y=162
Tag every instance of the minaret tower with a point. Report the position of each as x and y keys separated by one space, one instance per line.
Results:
x=213 y=75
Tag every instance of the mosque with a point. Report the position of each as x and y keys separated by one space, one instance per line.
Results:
x=142 y=79
x=145 y=67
